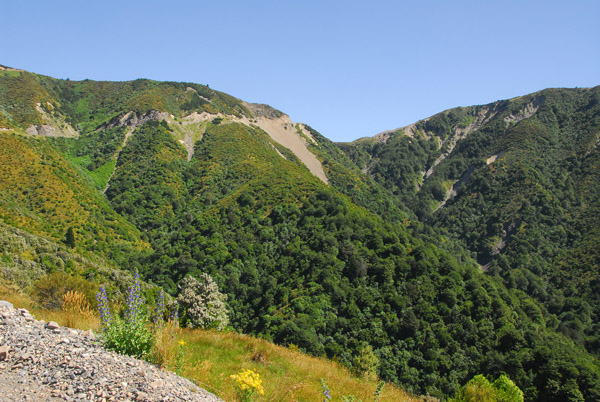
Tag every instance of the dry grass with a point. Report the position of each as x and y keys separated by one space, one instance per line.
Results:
x=76 y=308
x=13 y=294
x=287 y=375
x=167 y=345
x=75 y=316
x=63 y=318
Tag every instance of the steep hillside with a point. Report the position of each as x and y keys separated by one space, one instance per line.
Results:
x=517 y=183
x=44 y=106
x=311 y=250
x=303 y=265
x=43 y=193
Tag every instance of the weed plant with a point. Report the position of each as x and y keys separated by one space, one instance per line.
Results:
x=129 y=336
x=249 y=385
x=75 y=306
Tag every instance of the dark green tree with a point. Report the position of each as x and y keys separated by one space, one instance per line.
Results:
x=70 y=237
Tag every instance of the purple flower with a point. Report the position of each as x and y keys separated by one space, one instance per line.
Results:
x=134 y=310
x=175 y=317
x=105 y=317
x=325 y=389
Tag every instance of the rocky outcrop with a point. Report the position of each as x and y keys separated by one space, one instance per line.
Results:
x=283 y=131
x=279 y=127
x=45 y=130
x=55 y=125
x=45 y=362
x=526 y=112
x=134 y=120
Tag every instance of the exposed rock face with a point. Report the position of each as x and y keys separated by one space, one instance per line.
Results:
x=529 y=110
x=55 y=123
x=45 y=131
x=283 y=131
x=135 y=120
x=51 y=363
x=279 y=127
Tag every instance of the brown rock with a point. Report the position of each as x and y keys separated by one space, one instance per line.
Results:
x=52 y=325
x=157 y=384
x=4 y=352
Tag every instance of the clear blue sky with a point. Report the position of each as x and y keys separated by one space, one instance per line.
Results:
x=347 y=68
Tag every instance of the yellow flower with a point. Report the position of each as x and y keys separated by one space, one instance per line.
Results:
x=181 y=342
x=248 y=380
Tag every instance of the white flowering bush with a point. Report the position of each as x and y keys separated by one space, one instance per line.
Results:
x=203 y=305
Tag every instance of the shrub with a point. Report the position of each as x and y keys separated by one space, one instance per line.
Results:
x=129 y=336
x=203 y=304
x=366 y=363
x=481 y=390
x=49 y=289
x=70 y=237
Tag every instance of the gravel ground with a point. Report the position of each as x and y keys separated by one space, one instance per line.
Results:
x=43 y=362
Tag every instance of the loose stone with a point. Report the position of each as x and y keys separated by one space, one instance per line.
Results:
x=43 y=362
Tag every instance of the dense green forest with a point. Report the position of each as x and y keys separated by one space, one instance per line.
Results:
x=530 y=215
x=501 y=277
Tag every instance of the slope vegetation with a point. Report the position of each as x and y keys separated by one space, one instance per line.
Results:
x=516 y=183
x=195 y=182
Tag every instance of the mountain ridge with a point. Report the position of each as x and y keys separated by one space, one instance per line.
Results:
x=383 y=134
x=51 y=122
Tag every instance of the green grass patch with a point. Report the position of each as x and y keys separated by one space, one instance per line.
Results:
x=101 y=175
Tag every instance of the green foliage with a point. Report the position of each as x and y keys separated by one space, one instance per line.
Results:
x=366 y=363
x=70 y=237
x=526 y=206
x=334 y=268
x=88 y=105
x=481 y=390
x=20 y=92
x=101 y=175
x=348 y=179
x=523 y=214
x=43 y=193
x=49 y=289
x=506 y=390
x=303 y=265
x=129 y=335
x=399 y=162
x=128 y=339
x=147 y=184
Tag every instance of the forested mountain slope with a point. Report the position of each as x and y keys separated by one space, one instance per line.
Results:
x=198 y=181
x=517 y=183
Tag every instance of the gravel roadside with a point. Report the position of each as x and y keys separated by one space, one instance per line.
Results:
x=44 y=362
